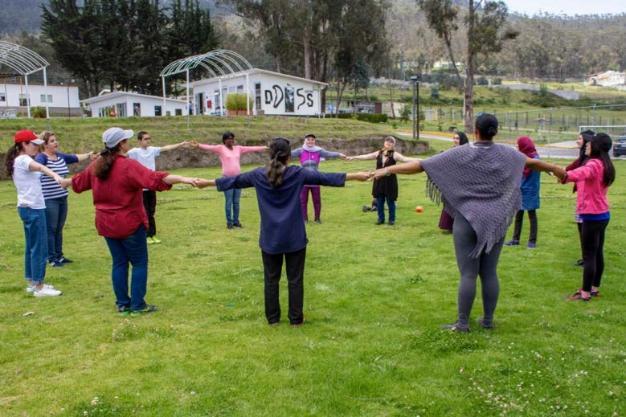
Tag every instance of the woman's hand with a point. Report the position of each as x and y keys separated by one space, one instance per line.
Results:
x=93 y=155
x=379 y=173
x=202 y=183
x=64 y=182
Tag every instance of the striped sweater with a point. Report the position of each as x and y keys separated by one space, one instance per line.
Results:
x=59 y=165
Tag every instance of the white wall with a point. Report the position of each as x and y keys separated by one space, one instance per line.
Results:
x=62 y=96
x=146 y=106
x=304 y=95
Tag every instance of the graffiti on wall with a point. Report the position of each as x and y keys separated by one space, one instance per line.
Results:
x=277 y=94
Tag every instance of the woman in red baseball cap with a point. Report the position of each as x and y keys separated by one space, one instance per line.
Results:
x=31 y=206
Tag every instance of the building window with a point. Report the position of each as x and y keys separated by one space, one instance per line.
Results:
x=257 y=96
x=120 y=109
x=179 y=112
x=45 y=99
x=137 y=109
x=3 y=98
x=23 y=100
x=158 y=110
x=240 y=88
x=289 y=103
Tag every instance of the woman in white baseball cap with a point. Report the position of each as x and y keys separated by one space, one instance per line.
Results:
x=117 y=185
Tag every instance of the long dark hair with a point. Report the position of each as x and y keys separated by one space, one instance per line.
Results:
x=280 y=151
x=600 y=147
x=104 y=164
x=462 y=138
x=587 y=135
x=12 y=153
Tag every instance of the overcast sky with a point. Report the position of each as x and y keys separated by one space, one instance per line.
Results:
x=569 y=7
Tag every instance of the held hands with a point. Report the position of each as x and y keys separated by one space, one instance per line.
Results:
x=202 y=183
x=344 y=157
x=379 y=173
x=93 y=155
x=63 y=182
x=361 y=176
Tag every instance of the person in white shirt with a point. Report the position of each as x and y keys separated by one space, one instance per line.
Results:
x=146 y=155
x=31 y=206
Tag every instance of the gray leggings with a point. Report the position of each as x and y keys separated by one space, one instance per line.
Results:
x=485 y=266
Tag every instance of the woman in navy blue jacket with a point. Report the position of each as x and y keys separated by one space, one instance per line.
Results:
x=283 y=233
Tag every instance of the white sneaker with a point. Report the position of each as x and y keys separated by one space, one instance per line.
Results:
x=46 y=292
x=30 y=288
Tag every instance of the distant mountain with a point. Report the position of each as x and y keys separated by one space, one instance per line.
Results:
x=25 y=15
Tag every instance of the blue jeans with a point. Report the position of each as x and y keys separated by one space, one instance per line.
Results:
x=133 y=250
x=232 y=205
x=380 y=207
x=36 y=243
x=56 y=213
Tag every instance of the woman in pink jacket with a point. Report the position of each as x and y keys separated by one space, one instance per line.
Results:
x=592 y=180
x=230 y=155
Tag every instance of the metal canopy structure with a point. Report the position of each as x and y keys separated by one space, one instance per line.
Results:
x=25 y=62
x=218 y=63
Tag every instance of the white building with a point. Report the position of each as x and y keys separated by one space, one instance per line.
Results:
x=61 y=99
x=608 y=79
x=127 y=104
x=271 y=93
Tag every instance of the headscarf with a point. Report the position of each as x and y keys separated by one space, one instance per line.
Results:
x=527 y=147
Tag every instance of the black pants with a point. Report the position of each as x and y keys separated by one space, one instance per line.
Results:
x=149 y=203
x=272 y=267
x=519 y=219
x=593 y=253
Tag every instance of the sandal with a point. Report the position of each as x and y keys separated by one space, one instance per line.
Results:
x=578 y=296
x=595 y=293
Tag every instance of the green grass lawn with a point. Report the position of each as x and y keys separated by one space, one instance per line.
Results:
x=375 y=297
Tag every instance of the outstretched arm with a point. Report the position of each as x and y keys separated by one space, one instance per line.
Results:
x=166 y=148
x=357 y=176
x=248 y=149
x=331 y=155
x=539 y=165
x=36 y=166
x=363 y=157
x=414 y=167
x=401 y=158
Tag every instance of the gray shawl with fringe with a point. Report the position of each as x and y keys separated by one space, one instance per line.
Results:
x=480 y=182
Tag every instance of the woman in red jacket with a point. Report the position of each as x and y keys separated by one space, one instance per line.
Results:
x=117 y=185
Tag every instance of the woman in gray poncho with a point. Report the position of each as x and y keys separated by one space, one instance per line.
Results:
x=479 y=184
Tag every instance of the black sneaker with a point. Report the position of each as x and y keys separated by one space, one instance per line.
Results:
x=149 y=308
x=55 y=264
x=512 y=242
x=391 y=223
x=486 y=325
x=318 y=221
x=65 y=260
x=580 y=262
x=229 y=226
x=378 y=223
x=237 y=225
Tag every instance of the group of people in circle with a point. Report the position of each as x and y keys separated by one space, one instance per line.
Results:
x=481 y=184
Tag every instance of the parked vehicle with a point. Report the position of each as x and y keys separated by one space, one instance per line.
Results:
x=619 y=146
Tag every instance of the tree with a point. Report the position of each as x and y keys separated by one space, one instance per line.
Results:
x=125 y=43
x=484 y=33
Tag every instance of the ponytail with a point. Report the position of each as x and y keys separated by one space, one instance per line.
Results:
x=12 y=153
x=104 y=164
x=280 y=151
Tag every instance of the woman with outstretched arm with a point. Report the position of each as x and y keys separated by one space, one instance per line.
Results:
x=479 y=185
x=283 y=234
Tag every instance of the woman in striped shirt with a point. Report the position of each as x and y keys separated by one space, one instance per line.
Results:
x=55 y=196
